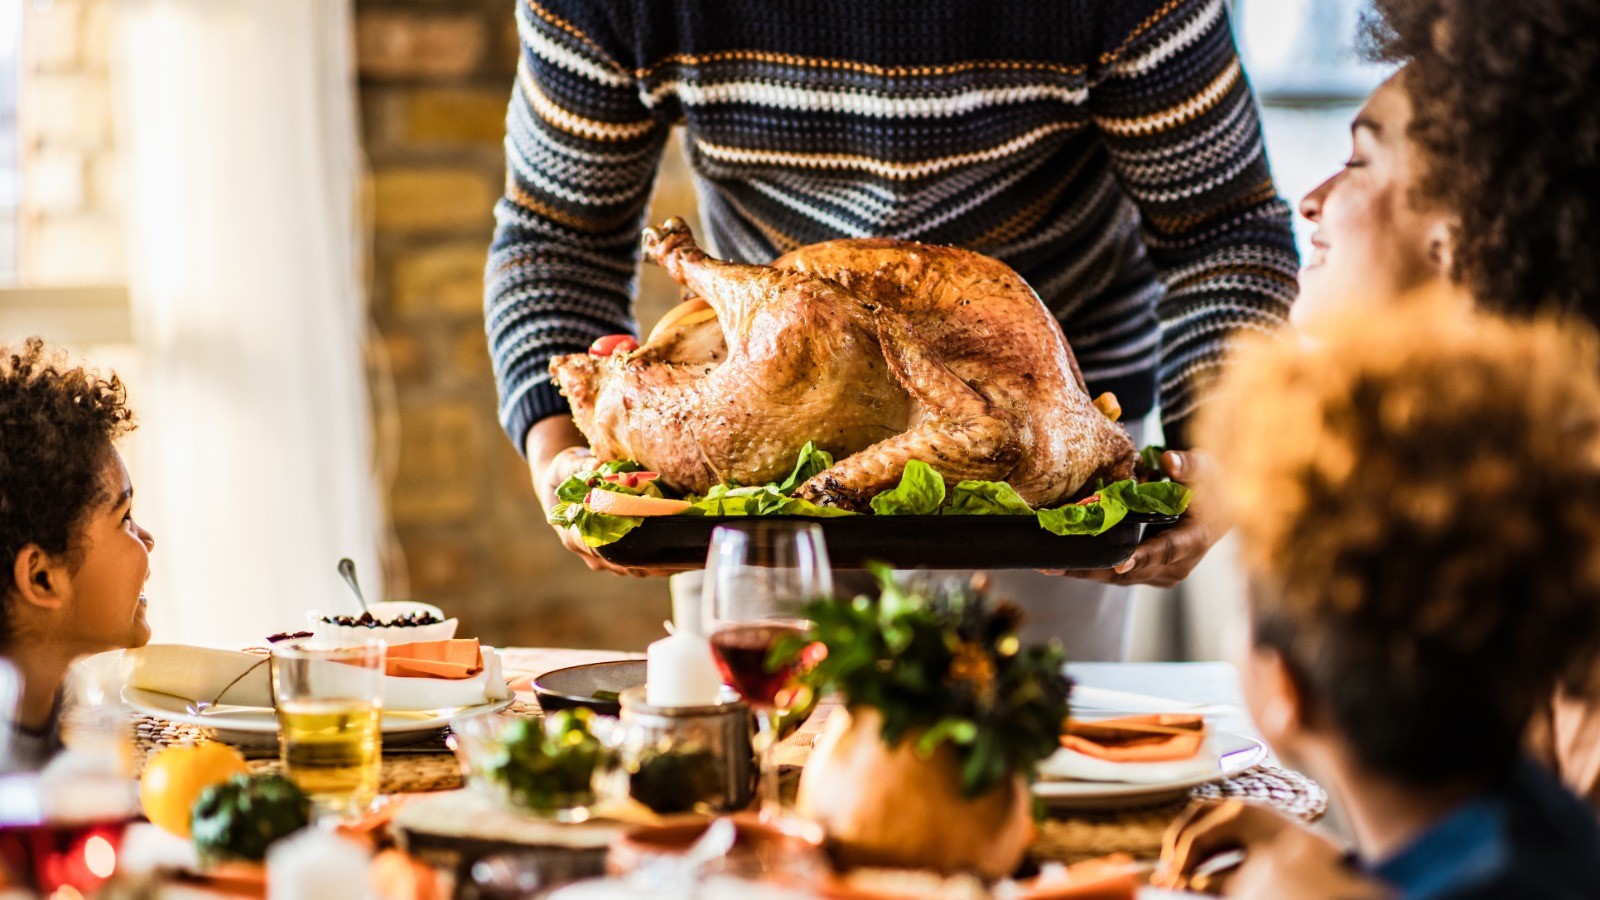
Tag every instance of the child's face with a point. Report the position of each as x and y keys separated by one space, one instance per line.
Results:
x=1371 y=243
x=106 y=606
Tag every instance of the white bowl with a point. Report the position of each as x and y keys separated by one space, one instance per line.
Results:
x=385 y=611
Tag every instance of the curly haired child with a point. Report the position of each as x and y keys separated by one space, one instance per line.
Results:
x=1417 y=514
x=75 y=560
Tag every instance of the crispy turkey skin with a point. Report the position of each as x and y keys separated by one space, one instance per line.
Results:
x=881 y=351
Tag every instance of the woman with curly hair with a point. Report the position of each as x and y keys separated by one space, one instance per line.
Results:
x=76 y=561
x=1418 y=522
x=1478 y=165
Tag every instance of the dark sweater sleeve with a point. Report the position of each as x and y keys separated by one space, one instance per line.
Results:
x=1184 y=136
x=581 y=157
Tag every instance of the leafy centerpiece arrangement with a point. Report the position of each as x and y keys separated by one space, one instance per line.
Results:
x=946 y=717
x=607 y=502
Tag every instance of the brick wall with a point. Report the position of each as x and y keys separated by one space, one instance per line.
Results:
x=67 y=152
x=435 y=79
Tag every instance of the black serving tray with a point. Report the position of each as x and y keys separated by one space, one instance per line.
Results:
x=936 y=542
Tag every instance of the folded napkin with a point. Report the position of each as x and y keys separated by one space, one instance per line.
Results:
x=218 y=677
x=1070 y=765
x=452 y=659
x=1160 y=737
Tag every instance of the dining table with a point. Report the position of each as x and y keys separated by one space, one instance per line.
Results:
x=422 y=772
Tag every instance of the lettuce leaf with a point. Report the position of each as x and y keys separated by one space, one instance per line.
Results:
x=577 y=485
x=1165 y=498
x=986 y=498
x=596 y=529
x=1113 y=503
x=920 y=493
x=810 y=462
x=762 y=500
x=1150 y=461
x=1087 y=518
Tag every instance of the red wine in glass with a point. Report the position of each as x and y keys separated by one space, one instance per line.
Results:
x=742 y=653
x=49 y=856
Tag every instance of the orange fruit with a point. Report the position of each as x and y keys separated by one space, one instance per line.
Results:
x=174 y=778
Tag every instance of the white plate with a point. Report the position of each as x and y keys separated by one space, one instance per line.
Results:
x=254 y=726
x=1235 y=752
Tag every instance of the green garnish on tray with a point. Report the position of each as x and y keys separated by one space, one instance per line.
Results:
x=921 y=492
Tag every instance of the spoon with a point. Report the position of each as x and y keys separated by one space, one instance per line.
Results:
x=347 y=568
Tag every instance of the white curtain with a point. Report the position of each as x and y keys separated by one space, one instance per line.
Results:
x=239 y=134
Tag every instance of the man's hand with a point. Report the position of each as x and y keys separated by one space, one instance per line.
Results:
x=556 y=451
x=1169 y=557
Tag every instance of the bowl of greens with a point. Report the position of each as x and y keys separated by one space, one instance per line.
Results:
x=561 y=766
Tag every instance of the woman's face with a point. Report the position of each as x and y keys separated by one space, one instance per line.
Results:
x=106 y=609
x=1370 y=242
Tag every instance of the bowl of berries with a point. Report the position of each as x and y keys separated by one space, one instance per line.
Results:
x=395 y=621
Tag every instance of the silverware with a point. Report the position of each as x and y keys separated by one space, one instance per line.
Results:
x=347 y=568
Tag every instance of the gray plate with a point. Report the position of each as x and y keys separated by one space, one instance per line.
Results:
x=575 y=686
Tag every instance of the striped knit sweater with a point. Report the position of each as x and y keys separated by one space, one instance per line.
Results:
x=1108 y=150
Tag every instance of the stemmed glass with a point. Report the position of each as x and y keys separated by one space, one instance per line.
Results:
x=757 y=579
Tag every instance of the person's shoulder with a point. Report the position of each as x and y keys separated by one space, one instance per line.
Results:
x=1554 y=841
x=1127 y=25
x=608 y=26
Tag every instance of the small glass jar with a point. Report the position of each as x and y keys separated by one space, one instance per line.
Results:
x=687 y=758
x=560 y=767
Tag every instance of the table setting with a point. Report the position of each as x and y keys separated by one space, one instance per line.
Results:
x=902 y=744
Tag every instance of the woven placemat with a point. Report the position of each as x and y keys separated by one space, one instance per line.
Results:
x=424 y=766
x=1063 y=837
x=1074 y=837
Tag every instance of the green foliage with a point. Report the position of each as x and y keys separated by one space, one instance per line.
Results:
x=241 y=817
x=986 y=498
x=920 y=492
x=1165 y=498
x=811 y=462
x=942 y=665
x=547 y=766
x=1148 y=466
x=1112 y=503
x=765 y=500
x=598 y=529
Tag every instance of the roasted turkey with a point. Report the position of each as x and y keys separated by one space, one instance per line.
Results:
x=881 y=351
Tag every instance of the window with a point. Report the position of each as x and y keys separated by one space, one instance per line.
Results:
x=10 y=180
x=1302 y=59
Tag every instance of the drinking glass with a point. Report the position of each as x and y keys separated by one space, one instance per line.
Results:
x=330 y=705
x=757 y=579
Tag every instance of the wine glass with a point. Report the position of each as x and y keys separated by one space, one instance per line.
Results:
x=757 y=579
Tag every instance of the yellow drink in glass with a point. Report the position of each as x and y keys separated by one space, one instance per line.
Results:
x=332 y=748
x=329 y=703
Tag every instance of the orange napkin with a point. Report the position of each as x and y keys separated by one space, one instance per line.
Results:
x=453 y=659
x=1160 y=737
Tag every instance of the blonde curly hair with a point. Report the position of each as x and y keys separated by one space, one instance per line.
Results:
x=1418 y=502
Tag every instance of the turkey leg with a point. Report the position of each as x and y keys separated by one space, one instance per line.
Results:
x=960 y=434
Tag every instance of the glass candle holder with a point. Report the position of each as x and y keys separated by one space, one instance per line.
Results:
x=687 y=758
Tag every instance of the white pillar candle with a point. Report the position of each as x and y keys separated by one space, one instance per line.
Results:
x=316 y=864
x=679 y=671
x=688 y=602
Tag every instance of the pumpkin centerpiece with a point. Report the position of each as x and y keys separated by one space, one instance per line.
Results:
x=946 y=717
